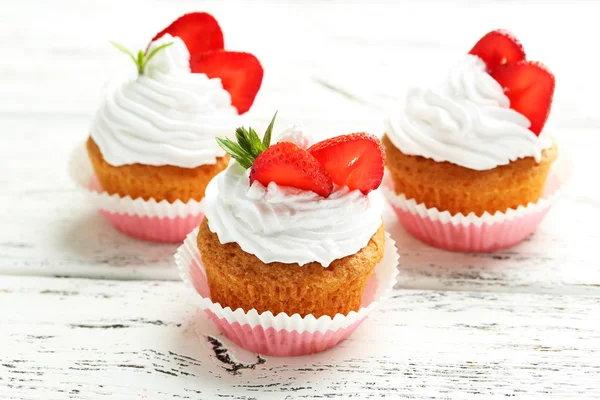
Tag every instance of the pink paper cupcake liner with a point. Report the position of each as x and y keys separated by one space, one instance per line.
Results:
x=281 y=334
x=141 y=219
x=471 y=233
x=154 y=229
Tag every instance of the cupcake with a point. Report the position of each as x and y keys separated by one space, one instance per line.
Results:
x=294 y=229
x=153 y=136
x=475 y=144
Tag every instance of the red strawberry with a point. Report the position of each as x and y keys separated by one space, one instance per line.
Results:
x=354 y=160
x=199 y=31
x=498 y=47
x=241 y=74
x=288 y=165
x=529 y=86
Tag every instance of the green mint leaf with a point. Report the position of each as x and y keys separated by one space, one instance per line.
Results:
x=241 y=135
x=255 y=143
x=245 y=162
x=231 y=147
x=267 y=136
x=235 y=151
x=123 y=49
x=153 y=53
x=141 y=60
x=248 y=146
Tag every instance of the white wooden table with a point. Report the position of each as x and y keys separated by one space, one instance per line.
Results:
x=89 y=313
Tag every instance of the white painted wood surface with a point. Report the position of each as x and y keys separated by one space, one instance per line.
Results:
x=521 y=322
x=80 y=339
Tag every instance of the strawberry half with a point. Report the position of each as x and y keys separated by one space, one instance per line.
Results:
x=498 y=47
x=288 y=165
x=199 y=31
x=240 y=73
x=356 y=160
x=530 y=87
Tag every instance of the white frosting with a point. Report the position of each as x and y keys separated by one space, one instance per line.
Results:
x=167 y=116
x=466 y=121
x=288 y=225
x=296 y=136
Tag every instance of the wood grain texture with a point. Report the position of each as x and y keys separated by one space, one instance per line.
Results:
x=81 y=339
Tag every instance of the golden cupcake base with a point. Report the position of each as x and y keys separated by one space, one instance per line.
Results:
x=166 y=182
x=240 y=280
x=450 y=187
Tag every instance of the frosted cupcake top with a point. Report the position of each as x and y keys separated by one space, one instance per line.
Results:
x=286 y=203
x=467 y=120
x=167 y=116
x=288 y=225
x=188 y=90
x=490 y=111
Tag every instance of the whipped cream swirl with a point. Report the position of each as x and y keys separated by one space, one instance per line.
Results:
x=297 y=136
x=288 y=225
x=167 y=116
x=466 y=121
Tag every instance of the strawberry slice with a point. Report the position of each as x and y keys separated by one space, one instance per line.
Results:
x=199 y=31
x=356 y=160
x=498 y=47
x=530 y=87
x=240 y=73
x=288 y=165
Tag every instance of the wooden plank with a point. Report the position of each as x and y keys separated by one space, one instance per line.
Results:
x=82 y=339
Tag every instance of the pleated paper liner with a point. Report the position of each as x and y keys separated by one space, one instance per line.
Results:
x=142 y=219
x=284 y=335
x=472 y=233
